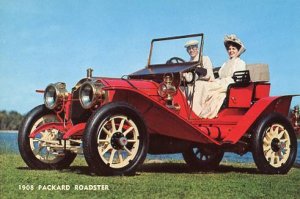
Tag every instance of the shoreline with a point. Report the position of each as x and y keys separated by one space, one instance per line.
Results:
x=16 y=131
x=8 y=131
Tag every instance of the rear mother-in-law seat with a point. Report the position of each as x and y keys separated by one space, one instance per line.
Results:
x=247 y=90
x=258 y=72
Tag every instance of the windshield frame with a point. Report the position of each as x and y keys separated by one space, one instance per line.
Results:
x=200 y=61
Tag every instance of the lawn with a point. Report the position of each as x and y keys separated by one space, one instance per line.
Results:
x=153 y=180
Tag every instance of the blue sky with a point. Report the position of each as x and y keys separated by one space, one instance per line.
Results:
x=43 y=42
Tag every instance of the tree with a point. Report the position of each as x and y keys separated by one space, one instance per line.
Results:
x=10 y=120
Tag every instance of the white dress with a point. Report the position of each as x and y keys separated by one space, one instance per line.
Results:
x=209 y=95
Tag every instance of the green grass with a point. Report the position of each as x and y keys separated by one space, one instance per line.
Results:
x=153 y=180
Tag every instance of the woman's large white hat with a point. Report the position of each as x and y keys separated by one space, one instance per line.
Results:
x=234 y=39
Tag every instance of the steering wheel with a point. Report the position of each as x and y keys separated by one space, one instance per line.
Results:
x=175 y=60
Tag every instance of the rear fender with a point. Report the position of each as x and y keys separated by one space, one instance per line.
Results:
x=262 y=107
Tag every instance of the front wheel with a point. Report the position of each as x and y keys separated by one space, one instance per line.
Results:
x=201 y=158
x=45 y=150
x=115 y=141
x=274 y=145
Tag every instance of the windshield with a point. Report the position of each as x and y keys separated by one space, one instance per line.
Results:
x=174 y=50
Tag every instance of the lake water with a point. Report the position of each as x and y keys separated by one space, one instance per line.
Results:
x=9 y=143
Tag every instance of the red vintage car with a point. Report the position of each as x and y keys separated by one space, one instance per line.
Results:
x=115 y=122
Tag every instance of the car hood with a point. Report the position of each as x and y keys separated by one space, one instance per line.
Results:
x=147 y=86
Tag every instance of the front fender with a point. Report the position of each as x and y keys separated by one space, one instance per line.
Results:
x=264 y=106
x=160 y=119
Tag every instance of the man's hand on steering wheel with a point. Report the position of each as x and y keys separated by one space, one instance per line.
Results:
x=191 y=75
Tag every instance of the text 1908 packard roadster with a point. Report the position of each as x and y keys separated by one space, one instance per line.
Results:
x=115 y=122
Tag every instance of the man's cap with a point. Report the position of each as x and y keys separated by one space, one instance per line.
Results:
x=191 y=43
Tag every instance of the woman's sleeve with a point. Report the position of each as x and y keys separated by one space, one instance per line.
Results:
x=221 y=70
x=208 y=65
x=240 y=65
x=224 y=82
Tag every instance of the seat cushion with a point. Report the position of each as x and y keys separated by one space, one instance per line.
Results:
x=259 y=72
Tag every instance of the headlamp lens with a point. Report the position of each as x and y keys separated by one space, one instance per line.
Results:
x=50 y=97
x=87 y=95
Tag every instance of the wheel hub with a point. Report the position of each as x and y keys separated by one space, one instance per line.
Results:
x=275 y=145
x=44 y=144
x=118 y=141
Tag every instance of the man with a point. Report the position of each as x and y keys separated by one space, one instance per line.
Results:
x=193 y=50
x=200 y=83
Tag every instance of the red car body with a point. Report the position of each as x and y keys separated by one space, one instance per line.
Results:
x=172 y=126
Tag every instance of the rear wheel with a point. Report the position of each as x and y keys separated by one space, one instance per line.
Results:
x=115 y=141
x=203 y=159
x=274 y=145
x=38 y=152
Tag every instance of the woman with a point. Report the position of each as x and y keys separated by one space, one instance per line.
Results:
x=213 y=92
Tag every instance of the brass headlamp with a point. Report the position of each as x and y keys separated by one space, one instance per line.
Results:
x=55 y=94
x=90 y=94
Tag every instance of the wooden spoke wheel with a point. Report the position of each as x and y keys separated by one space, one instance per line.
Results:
x=45 y=150
x=115 y=141
x=274 y=144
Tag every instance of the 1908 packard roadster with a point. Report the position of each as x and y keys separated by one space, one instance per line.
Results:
x=115 y=122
